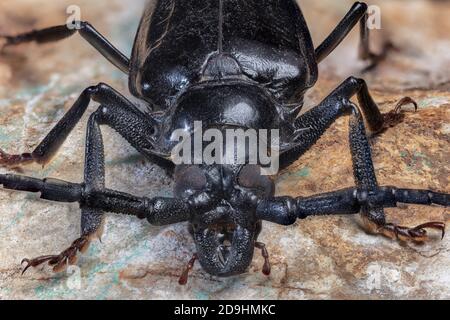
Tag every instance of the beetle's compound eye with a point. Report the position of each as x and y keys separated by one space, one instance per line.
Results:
x=250 y=177
x=189 y=180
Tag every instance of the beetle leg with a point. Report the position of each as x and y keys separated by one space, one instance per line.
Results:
x=396 y=116
x=373 y=216
x=61 y=261
x=313 y=124
x=158 y=211
x=266 y=267
x=365 y=177
x=286 y=210
x=320 y=118
x=86 y=30
x=136 y=127
x=367 y=198
x=358 y=13
x=94 y=180
x=395 y=232
x=185 y=275
x=91 y=218
x=92 y=228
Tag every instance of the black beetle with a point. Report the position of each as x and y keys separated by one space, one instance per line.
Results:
x=227 y=63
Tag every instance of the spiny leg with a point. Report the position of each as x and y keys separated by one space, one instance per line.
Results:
x=365 y=178
x=122 y=119
x=138 y=133
x=313 y=124
x=310 y=126
x=358 y=13
x=158 y=211
x=86 y=30
x=91 y=218
x=286 y=210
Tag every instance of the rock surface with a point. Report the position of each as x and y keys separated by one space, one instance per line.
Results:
x=329 y=257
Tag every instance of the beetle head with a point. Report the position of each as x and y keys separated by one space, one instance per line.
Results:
x=224 y=224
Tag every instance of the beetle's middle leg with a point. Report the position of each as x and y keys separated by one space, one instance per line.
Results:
x=365 y=178
x=136 y=127
x=313 y=124
x=91 y=219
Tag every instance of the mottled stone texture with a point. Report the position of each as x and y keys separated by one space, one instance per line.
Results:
x=329 y=257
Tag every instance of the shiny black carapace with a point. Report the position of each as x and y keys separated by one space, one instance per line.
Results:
x=227 y=63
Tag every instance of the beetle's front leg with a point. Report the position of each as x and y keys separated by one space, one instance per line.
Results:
x=286 y=210
x=158 y=211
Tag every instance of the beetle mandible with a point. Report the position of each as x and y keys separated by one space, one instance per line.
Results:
x=244 y=64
